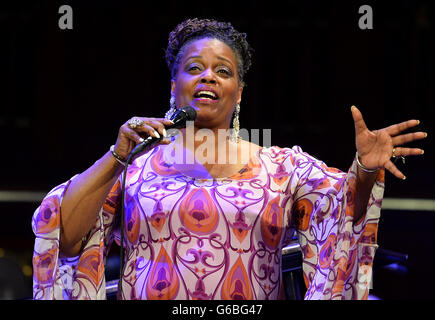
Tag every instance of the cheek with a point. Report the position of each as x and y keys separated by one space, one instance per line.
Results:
x=232 y=92
x=184 y=85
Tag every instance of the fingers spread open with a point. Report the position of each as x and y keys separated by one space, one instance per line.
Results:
x=404 y=138
x=360 y=125
x=399 y=127
x=403 y=152
x=393 y=169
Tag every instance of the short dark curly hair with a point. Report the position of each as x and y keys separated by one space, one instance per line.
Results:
x=195 y=29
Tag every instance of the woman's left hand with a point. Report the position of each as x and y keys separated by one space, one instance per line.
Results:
x=375 y=148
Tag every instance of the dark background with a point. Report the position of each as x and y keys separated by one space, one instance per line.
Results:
x=65 y=93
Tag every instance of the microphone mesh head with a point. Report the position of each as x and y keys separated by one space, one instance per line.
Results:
x=191 y=113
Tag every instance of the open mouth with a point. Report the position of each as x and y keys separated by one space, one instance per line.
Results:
x=205 y=94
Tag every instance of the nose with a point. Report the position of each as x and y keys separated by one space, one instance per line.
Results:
x=208 y=77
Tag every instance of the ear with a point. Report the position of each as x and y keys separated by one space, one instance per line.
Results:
x=239 y=95
x=172 y=87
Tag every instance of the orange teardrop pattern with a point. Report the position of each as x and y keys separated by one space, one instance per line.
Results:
x=271 y=223
x=158 y=218
x=160 y=166
x=44 y=264
x=198 y=212
x=301 y=214
x=327 y=252
x=249 y=171
x=237 y=285
x=132 y=219
x=90 y=265
x=240 y=233
x=47 y=218
x=163 y=282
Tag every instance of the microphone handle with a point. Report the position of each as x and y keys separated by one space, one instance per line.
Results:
x=141 y=146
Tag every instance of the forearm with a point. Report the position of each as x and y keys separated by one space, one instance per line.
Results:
x=364 y=186
x=83 y=199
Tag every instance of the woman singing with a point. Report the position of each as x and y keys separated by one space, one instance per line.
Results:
x=212 y=228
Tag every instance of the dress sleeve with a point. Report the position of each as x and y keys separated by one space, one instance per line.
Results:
x=337 y=252
x=81 y=277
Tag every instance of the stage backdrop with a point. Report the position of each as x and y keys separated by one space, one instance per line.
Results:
x=65 y=93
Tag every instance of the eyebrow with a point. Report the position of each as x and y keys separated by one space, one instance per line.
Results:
x=219 y=57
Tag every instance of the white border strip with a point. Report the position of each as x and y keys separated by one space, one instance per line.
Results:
x=408 y=204
x=22 y=196
x=387 y=203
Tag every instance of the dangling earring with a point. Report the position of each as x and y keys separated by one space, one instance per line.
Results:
x=236 y=125
x=172 y=109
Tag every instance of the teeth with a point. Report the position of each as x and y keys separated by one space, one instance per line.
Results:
x=209 y=93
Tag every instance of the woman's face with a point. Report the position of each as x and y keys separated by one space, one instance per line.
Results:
x=207 y=80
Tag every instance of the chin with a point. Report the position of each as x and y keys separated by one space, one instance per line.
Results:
x=207 y=114
x=204 y=121
x=205 y=111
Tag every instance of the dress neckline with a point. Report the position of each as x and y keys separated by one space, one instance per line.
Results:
x=256 y=154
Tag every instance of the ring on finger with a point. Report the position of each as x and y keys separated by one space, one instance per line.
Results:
x=134 y=122
x=396 y=157
x=400 y=157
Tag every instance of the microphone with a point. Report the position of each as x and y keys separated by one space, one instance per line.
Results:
x=179 y=118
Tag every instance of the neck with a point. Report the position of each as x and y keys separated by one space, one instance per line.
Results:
x=206 y=146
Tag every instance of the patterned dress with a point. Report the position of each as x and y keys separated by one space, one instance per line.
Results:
x=188 y=238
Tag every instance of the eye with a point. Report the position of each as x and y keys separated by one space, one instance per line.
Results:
x=225 y=71
x=193 y=67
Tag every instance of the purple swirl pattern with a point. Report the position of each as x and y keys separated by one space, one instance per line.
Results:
x=206 y=239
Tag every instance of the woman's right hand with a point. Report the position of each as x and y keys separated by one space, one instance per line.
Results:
x=128 y=138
